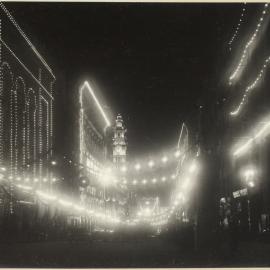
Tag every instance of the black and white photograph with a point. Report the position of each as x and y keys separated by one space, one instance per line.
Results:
x=134 y=134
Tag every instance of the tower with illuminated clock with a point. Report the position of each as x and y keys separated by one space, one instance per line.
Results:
x=119 y=142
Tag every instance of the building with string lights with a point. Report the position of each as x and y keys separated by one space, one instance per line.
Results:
x=26 y=116
x=246 y=111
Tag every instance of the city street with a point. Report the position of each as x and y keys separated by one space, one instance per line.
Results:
x=134 y=134
x=143 y=253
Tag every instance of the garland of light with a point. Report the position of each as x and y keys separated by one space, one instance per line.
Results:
x=251 y=87
x=152 y=163
x=68 y=204
x=248 y=44
x=27 y=39
x=147 y=181
x=238 y=27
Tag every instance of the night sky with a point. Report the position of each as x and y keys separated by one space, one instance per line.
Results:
x=153 y=63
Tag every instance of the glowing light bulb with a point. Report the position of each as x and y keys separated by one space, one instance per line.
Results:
x=151 y=163
x=137 y=166
x=164 y=159
x=251 y=184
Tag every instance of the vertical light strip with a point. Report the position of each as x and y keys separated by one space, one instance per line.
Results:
x=46 y=124
x=40 y=124
x=1 y=105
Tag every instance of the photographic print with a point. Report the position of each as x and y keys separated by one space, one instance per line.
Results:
x=134 y=135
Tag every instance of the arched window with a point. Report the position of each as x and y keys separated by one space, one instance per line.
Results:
x=6 y=112
x=32 y=131
x=20 y=125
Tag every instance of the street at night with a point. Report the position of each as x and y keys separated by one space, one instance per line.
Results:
x=147 y=253
x=134 y=135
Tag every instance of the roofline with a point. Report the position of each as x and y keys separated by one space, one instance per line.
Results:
x=11 y=18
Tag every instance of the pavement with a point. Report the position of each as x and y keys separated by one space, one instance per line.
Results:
x=143 y=253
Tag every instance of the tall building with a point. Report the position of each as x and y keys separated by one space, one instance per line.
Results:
x=94 y=191
x=26 y=110
x=119 y=146
x=119 y=142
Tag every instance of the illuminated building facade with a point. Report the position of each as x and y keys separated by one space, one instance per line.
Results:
x=93 y=125
x=26 y=109
x=245 y=174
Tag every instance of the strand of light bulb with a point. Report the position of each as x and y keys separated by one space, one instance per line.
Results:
x=45 y=195
x=251 y=40
x=86 y=84
x=251 y=87
x=66 y=203
x=24 y=187
x=151 y=163
x=243 y=148
x=238 y=26
x=79 y=208
x=145 y=181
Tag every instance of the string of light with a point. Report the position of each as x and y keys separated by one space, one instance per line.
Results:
x=147 y=181
x=26 y=69
x=248 y=44
x=68 y=204
x=241 y=20
x=259 y=133
x=27 y=39
x=181 y=193
x=251 y=87
x=152 y=163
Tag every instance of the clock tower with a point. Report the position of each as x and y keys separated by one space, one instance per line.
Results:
x=119 y=142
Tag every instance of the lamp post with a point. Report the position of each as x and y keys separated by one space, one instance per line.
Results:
x=249 y=175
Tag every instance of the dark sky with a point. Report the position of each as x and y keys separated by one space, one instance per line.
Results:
x=154 y=63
